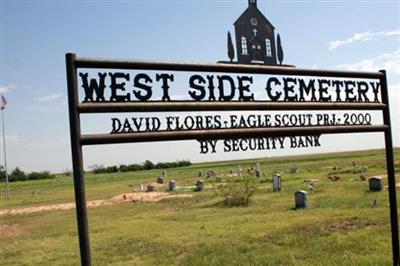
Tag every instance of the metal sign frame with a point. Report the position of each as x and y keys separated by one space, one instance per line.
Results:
x=78 y=140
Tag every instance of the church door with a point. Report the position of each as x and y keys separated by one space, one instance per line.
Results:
x=256 y=50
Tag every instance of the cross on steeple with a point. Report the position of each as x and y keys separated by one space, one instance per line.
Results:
x=253 y=3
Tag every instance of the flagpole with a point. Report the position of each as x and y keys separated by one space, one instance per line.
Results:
x=7 y=192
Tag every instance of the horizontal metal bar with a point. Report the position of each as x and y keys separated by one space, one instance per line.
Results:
x=181 y=106
x=95 y=139
x=83 y=62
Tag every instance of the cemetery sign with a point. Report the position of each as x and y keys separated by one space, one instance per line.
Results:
x=125 y=86
x=355 y=98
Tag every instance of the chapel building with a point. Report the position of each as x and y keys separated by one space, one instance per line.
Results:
x=255 y=37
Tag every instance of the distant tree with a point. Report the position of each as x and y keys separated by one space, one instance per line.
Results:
x=231 y=51
x=123 y=168
x=280 y=50
x=17 y=175
x=40 y=175
x=2 y=173
x=98 y=168
x=135 y=167
x=148 y=165
x=112 y=169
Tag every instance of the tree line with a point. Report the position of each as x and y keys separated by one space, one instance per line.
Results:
x=147 y=165
x=19 y=175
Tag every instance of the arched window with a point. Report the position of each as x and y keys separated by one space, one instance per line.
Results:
x=244 y=45
x=268 y=49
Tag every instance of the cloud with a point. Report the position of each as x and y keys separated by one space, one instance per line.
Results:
x=12 y=138
x=388 y=61
x=49 y=98
x=362 y=37
x=4 y=89
x=45 y=109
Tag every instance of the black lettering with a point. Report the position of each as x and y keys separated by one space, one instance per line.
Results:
x=316 y=141
x=307 y=89
x=146 y=88
x=245 y=88
x=337 y=84
x=269 y=89
x=211 y=88
x=362 y=91
x=203 y=146
x=227 y=146
x=127 y=127
x=116 y=125
x=93 y=86
x=195 y=82
x=323 y=90
x=165 y=85
x=115 y=86
x=288 y=87
x=349 y=90
x=222 y=95
x=375 y=89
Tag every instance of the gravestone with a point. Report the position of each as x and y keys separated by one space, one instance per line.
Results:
x=150 y=188
x=363 y=176
x=294 y=170
x=250 y=171
x=300 y=198
x=239 y=171
x=258 y=170
x=160 y=180
x=171 y=185
x=375 y=183
x=276 y=182
x=310 y=185
x=210 y=174
x=199 y=185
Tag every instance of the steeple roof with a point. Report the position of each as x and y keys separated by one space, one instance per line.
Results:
x=252 y=8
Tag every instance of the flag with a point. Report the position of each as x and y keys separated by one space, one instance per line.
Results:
x=3 y=102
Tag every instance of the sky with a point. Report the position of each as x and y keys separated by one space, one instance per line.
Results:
x=35 y=35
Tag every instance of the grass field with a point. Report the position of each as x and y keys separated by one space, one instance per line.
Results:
x=340 y=227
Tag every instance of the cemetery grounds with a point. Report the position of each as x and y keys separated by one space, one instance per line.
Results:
x=345 y=224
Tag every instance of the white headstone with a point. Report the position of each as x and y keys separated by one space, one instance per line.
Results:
x=310 y=185
x=239 y=171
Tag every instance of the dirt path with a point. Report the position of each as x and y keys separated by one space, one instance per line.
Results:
x=126 y=197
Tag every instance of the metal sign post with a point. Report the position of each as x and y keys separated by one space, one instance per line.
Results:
x=77 y=160
x=390 y=171
x=76 y=108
